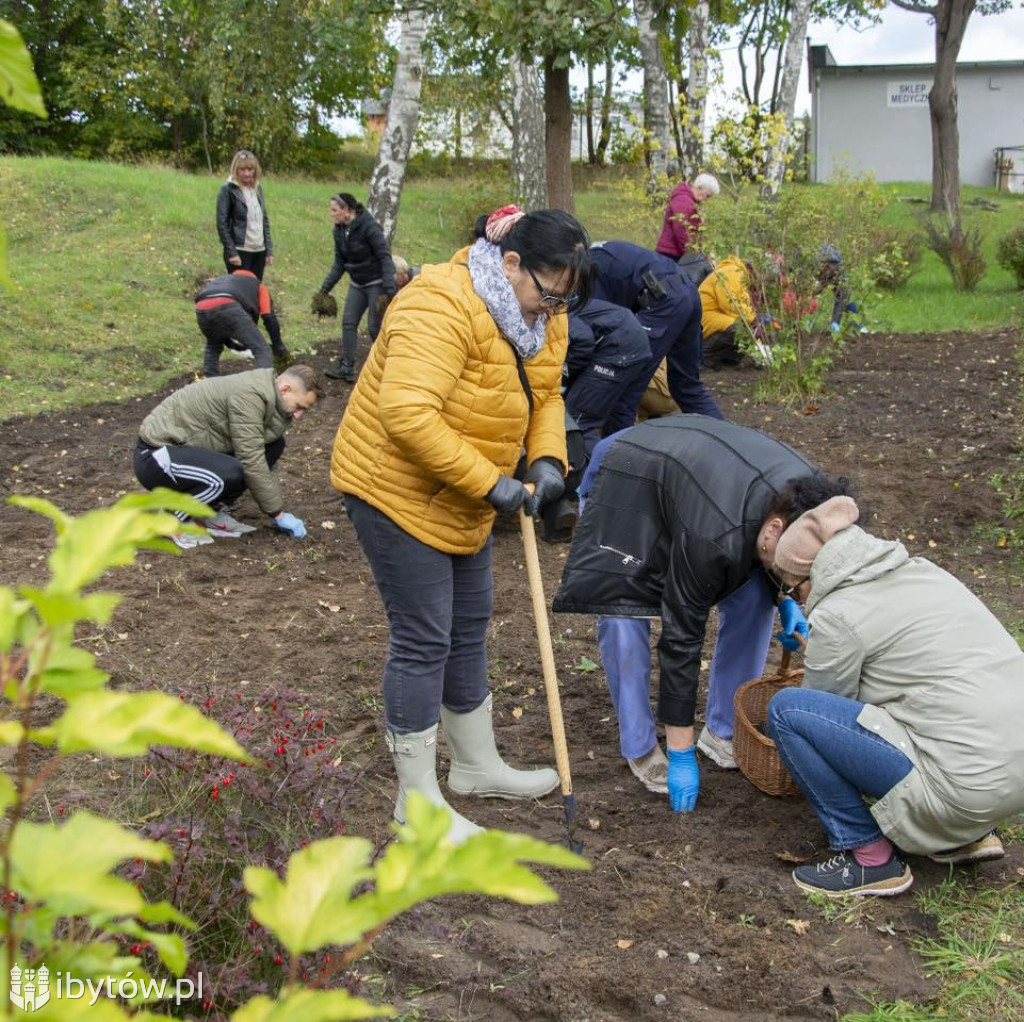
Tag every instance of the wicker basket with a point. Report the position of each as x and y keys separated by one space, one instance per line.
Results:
x=755 y=753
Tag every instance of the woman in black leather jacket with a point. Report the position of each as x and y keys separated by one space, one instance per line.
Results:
x=361 y=251
x=242 y=222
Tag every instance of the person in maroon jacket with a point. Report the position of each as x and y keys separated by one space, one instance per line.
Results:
x=682 y=216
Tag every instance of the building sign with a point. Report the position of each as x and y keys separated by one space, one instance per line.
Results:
x=909 y=95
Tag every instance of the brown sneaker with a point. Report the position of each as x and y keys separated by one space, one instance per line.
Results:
x=985 y=848
x=652 y=770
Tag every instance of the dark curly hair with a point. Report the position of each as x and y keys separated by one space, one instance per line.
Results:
x=800 y=495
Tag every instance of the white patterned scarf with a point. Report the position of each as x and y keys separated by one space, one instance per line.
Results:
x=491 y=284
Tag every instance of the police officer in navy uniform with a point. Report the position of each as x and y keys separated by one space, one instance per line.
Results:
x=667 y=306
x=606 y=347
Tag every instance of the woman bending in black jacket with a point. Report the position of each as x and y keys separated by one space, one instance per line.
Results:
x=360 y=250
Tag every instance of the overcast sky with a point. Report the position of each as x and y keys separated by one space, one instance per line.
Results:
x=903 y=37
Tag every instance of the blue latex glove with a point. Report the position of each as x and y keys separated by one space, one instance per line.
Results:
x=683 y=779
x=834 y=327
x=289 y=523
x=793 y=623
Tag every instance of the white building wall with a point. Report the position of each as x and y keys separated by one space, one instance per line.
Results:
x=868 y=119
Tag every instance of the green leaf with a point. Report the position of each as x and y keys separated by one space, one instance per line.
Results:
x=313 y=907
x=128 y=723
x=109 y=537
x=420 y=866
x=68 y=867
x=310 y=1006
x=586 y=665
x=164 y=912
x=169 y=946
x=11 y=732
x=56 y=609
x=69 y=672
x=19 y=86
x=8 y=793
x=11 y=611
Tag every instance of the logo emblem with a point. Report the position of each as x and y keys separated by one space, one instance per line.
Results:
x=30 y=989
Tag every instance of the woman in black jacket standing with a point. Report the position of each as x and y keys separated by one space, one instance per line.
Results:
x=360 y=250
x=242 y=221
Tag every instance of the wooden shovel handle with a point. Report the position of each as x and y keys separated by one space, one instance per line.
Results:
x=547 y=653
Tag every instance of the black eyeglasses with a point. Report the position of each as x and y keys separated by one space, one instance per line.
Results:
x=555 y=302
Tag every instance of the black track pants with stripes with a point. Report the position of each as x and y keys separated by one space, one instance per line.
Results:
x=215 y=479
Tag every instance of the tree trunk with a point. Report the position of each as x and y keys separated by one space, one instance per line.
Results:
x=655 y=95
x=528 y=169
x=606 y=110
x=951 y=17
x=790 y=79
x=403 y=114
x=591 y=151
x=692 y=155
x=558 y=134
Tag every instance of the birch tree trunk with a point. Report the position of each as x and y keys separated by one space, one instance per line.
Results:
x=656 y=120
x=529 y=181
x=403 y=114
x=692 y=154
x=606 y=111
x=792 y=62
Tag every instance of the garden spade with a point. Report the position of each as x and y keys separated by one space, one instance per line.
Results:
x=547 y=660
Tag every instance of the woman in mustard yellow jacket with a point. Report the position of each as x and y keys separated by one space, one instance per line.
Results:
x=464 y=375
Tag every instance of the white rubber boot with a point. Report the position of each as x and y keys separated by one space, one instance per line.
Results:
x=478 y=769
x=415 y=757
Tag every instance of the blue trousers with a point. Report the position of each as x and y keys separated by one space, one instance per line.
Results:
x=745 y=621
x=673 y=326
x=835 y=761
x=439 y=606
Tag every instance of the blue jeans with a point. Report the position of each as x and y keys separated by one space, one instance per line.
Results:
x=835 y=761
x=438 y=607
x=745 y=621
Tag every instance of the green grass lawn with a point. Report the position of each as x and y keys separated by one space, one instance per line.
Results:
x=105 y=257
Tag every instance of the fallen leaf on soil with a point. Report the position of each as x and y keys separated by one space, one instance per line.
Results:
x=517 y=711
x=623 y=945
x=810 y=409
x=327 y=525
x=932 y=543
x=799 y=926
x=332 y=607
x=796 y=860
x=594 y=823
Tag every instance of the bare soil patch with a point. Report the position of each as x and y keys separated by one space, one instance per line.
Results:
x=920 y=423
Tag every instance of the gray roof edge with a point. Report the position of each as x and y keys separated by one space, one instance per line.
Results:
x=836 y=69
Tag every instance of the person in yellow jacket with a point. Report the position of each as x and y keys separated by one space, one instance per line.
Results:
x=725 y=306
x=464 y=375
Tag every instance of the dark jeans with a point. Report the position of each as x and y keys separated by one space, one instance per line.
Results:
x=721 y=349
x=438 y=606
x=215 y=479
x=835 y=760
x=255 y=262
x=673 y=325
x=227 y=323
x=360 y=299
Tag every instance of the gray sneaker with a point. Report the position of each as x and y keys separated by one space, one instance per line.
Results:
x=652 y=770
x=222 y=526
x=186 y=540
x=718 y=750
